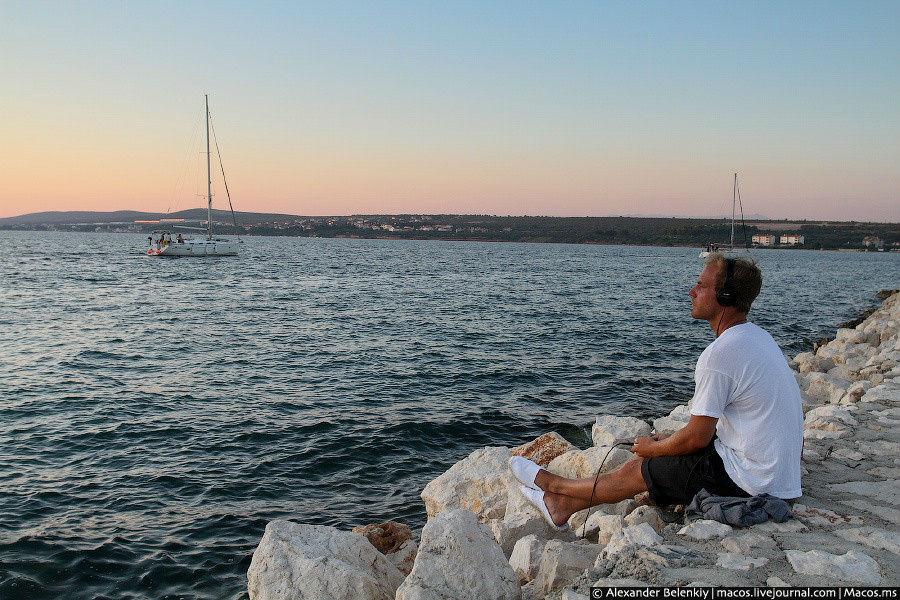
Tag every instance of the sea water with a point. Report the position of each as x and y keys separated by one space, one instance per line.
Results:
x=155 y=413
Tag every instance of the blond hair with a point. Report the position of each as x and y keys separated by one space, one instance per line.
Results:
x=746 y=279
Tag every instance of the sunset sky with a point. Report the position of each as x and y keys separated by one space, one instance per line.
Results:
x=538 y=108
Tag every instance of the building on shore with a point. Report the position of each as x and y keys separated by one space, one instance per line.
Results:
x=791 y=239
x=873 y=241
x=764 y=239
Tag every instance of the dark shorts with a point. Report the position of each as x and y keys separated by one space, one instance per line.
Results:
x=677 y=479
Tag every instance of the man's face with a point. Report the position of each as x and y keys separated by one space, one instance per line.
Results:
x=703 y=295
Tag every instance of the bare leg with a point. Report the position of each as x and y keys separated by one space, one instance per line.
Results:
x=567 y=496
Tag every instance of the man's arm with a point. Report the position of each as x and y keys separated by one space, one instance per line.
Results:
x=694 y=436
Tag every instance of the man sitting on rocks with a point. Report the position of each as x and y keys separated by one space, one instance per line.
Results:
x=745 y=434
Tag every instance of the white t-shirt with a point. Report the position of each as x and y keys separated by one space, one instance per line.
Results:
x=743 y=379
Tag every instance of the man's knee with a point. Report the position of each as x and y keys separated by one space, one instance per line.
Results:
x=631 y=467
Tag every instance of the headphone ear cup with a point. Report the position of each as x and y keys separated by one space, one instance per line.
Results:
x=726 y=295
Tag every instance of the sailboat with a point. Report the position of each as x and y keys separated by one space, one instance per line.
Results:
x=166 y=243
x=730 y=251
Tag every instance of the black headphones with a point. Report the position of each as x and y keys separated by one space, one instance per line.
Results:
x=727 y=295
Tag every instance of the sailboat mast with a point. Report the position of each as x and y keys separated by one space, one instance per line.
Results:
x=209 y=180
x=733 y=198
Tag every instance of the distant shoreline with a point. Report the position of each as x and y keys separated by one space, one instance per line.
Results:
x=698 y=247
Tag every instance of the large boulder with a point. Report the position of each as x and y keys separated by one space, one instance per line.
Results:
x=561 y=562
x=526 y=557
x=676 y=419
x=645 y=514
x=824 y=388
x=705 y=529
x=807 y=362
x=294 y=562
x=851 y=336
x=543 y=449
x=632 y=536
x=605 y=526
x=609 y=430
x=458 y=558
x=477 y=483
x=829 y=421
x=514 y=526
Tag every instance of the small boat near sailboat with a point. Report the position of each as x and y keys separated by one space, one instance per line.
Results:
x=730 y=251
x=171 y=243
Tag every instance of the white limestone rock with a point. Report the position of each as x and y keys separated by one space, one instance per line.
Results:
x=743 y=543
x=807 y=362
x=667 y=425
x=851 y=336
x=844 y=371
x=526 y=557
x=645 y=514
x=458 y=559
x=512 y=527
x=404 y=557
x=739 y=562
x=812 y=454
x=633 y=536
x=776 y=581
x=705 y=529
x=825 y=434
x=576 y=521
x=835 y=350
x=676 y=419
x=585 y=463
x=885 y=393
x=824 y=388
x=561 y=562
x=873 y=537
x=477 y=483
x=625 y=507
x=295 y=562
x=876 y=489
x=852 y=566
x=855 y=392
x=608 y=430
x=516 y=503
x=604 y=527
x=848 y=454
x=789 y=526
x=830 y=413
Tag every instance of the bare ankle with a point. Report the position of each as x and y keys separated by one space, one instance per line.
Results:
x=556 y=506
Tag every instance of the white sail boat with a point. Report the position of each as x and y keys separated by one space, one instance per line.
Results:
x=730 y=251
x=165 y=243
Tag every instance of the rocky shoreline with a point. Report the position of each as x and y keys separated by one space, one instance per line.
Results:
x=484 y=540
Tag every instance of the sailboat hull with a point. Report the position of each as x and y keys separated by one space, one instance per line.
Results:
x=215 y=247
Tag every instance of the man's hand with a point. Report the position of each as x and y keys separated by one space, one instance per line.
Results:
x=645 y=446
x=694 y=436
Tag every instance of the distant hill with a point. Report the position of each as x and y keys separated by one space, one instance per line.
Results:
x=127 y=216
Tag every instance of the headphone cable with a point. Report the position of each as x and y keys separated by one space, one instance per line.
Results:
x=596 y=479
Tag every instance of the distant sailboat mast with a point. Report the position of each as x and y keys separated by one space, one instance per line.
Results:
x=209 y=180
x=733 y=198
